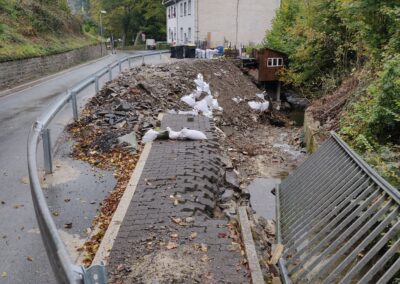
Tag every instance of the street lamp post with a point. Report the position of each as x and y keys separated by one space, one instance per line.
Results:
x=101 y=24
x=101 y=30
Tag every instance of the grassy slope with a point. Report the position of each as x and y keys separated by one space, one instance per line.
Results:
x=30 y=28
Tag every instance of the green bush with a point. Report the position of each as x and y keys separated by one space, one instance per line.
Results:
x=384 y=125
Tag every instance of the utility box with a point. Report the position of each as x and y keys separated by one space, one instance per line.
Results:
x=150 y=43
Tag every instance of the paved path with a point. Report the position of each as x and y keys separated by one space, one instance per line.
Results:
x=190 y=172
x=22 y=254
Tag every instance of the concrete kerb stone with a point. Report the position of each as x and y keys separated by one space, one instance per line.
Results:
x=252 y=258
x=116 y=221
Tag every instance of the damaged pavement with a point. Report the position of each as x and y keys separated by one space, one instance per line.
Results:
x=182 y=223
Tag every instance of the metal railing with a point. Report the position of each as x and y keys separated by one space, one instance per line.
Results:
x=338 y=220
x=64 y=270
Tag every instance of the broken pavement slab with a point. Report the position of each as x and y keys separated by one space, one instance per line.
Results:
x=130 y=140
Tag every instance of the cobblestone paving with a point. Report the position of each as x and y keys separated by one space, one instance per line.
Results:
x=169 y=234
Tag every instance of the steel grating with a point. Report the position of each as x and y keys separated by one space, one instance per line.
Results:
x=338 y=220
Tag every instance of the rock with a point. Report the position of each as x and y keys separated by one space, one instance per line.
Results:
x=298 y=103
x=227 y=196
x=232 y=179
x=227 y=162
x=123 y=106
x=129 y=139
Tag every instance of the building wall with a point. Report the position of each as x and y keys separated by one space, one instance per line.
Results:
x=182 y=26
x=235 y=22
x=13 y=73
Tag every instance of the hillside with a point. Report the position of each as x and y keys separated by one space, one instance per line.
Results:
x=345 y=55
x=31 y=28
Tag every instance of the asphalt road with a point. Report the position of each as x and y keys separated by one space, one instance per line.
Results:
x=22 y=254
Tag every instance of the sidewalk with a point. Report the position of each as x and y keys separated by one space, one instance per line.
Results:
x=172 y=232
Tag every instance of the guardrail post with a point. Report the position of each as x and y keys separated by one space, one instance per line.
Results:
x=96 y=84
x=120 y=66
x=160 y=55
x=142 y=59
x=129 y=63
x=109 y=73
x=48 y=163
x=74 y=105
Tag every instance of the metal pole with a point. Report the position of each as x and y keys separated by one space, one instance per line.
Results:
x=160 y=55
x=278 y=92
x=109 y=73
x=48 y=163
x=74 y=105
x=142 y=59
x=96 y=84
x=129 y=63
x=120 y=66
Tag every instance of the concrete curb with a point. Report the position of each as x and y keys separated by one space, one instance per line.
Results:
x=116 y=221
x=252 y=258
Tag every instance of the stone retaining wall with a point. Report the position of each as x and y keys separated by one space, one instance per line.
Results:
x=13 y=73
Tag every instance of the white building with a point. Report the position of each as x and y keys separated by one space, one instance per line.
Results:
x=219 y=22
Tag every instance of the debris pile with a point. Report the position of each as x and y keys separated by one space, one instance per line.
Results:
x=109 y=133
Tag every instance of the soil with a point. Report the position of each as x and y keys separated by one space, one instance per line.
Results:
x=328 y=109
x=258 y=144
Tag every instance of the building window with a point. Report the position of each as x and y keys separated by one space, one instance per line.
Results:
x=185 y=9
x=275 y=62
x=190 y=34
x=190 y=7
x=181 y=10
x=181 y=35
x=169 y=12
x=174 y=12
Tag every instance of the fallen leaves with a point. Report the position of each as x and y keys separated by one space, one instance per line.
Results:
x=17 y=206
x=29 y=258
x=171 y=245
x=4 y=274
x=192 y=236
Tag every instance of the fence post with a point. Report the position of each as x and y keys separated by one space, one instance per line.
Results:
x=129 y=63
x=120 y=66
x=142 y=59
x=48 y=163
x=74 y=105
x=160 y=55
x=109 y=73
x=96 y=84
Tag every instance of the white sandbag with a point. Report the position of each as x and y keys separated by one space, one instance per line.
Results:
x=150 y=135
x=189 y=99
x=202 y=106
x=193 y=134
x=261 y=96
x=259 y=106
x=202 y=86
x=173 y=134
x=209 y=100
x=196 y=94
x=237 y=100
x=215 y=105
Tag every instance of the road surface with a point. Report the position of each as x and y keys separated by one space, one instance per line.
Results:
x=22 y=254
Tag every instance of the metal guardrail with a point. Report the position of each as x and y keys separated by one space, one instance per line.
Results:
x=338 y=220
x=64 y=270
